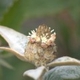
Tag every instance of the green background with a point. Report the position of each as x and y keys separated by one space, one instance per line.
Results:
x=26 y=15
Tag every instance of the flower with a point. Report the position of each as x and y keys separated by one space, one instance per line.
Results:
x=41 y=48
x=38 y=48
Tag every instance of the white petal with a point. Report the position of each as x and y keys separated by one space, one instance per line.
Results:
x=64 y=61
x=36 y=74
x=16 y=40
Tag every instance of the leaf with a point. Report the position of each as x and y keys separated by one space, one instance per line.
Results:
x=4 y=6
x=5 y=64
x=65 y=60
x=17 y=41
x=36 y=74
x=4 y=54
x=63 y=73
x=25 y=9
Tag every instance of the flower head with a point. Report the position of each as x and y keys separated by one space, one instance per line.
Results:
x=41 y=48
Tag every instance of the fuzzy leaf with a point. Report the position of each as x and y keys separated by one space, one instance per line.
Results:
x=17 y=41
x=65 y=60
x=63 y=73
x=35 y=73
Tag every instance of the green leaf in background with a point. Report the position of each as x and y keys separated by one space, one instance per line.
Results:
x=14 y=12
x=4 y=63
x=24 y=9
x=1 y=73
x=4 y=6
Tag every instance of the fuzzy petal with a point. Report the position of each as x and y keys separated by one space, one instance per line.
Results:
x=16 y=40
x=64 y=61
x=36 y=74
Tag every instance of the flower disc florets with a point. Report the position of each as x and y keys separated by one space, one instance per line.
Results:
x=41 y=48
x=43 y=35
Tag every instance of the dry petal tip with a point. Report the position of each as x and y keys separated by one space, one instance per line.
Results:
x=29 y=34
x=52 y=30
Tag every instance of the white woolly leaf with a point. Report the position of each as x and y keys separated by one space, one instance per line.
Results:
x=17 y=41
x=65 y=60
x=63 y=73
x=36 y=74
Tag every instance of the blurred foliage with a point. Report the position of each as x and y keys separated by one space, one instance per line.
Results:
x=23 y=15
